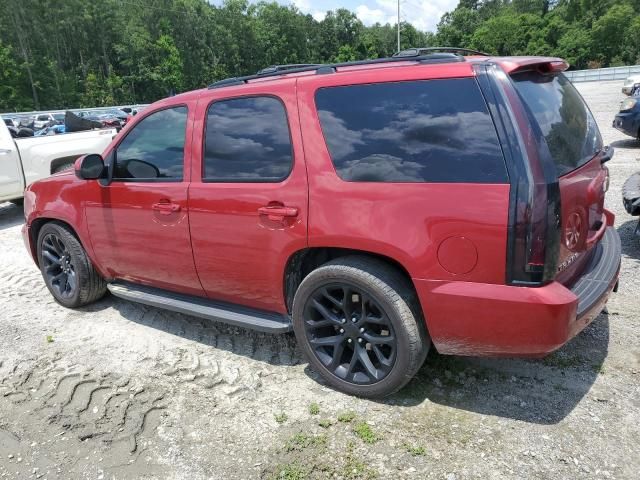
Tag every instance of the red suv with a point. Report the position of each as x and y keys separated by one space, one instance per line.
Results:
x=374 y=208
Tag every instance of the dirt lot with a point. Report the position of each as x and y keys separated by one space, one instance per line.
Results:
x=120 y=390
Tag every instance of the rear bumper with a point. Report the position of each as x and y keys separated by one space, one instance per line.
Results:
x=475 y=319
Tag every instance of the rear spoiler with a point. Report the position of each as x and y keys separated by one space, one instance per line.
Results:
x=544 y=65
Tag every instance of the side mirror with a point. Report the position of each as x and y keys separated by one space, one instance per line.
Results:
x=90 y=167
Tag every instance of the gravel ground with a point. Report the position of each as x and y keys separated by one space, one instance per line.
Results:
x=118 y=390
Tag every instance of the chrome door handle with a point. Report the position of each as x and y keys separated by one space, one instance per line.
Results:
x=278 y=211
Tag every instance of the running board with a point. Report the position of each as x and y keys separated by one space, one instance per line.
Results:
x=201 y=307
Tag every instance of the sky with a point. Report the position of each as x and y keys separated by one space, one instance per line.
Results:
x=422 y=14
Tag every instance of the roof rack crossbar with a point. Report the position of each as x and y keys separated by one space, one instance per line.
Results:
x=331 y=67
x=415 y=52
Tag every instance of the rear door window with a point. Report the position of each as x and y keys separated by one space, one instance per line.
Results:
x=564 y=119
x=419 y=131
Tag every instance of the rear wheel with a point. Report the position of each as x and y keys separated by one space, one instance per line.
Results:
x=358 y=323
x=66 y=269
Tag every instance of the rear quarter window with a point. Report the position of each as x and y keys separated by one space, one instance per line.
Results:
x=419 y=131
x=563 y=117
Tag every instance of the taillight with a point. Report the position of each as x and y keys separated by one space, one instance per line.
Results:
x=534 y=218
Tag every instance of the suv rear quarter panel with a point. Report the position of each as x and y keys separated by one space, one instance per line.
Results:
x=417 y=224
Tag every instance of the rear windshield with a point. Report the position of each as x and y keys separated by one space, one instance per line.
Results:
x=564 y=119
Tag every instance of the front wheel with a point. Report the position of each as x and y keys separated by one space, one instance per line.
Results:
x=66 y=269
x=359 y=324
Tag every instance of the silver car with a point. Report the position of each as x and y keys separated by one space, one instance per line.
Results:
x=629 y=83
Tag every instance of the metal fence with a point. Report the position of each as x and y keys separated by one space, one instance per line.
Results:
x=137 y=106
x=603 y=74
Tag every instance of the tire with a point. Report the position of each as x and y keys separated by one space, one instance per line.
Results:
x=364 y=285
x=63 y=167
x=85 y=285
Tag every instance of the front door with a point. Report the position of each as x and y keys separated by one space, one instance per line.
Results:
x=248 y=196
x=139 y=224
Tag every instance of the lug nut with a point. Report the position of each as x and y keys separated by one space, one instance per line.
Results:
x=344 y=320
x=361 y=329
x=342 y=330
x=359 y=340
x=349 y=341
x=354 y=319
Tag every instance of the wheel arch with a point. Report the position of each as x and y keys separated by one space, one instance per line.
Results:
x=304 y=261
x=34 y=231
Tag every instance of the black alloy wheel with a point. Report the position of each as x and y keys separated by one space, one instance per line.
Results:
x=58 y=268
x=358 y=322
x=350 y=333
x=66 y=268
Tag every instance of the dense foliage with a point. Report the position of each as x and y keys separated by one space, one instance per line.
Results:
x=56 y=53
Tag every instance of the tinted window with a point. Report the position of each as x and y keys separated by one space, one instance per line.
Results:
x=154 y=148
x=247 y=139
x=564 y=119
x=424 y=131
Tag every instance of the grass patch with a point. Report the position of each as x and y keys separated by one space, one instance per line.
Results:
x=301 y=441
x=49 y=338
x=325 y=423
x=364 y=432
x=314 y=409
x=354 y=468
x=290 y=471
x=415 y=450
x=281 y=417
x=346 y=417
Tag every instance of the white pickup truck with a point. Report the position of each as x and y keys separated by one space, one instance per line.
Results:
x=25 y=160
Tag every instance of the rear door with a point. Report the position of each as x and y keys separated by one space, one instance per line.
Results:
x=248 y=196
x=576 y=147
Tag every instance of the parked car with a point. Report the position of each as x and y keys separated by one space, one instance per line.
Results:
x=26 y=122
x=105 y=119
x=376 y=210
x=11 y=122
x=628 y=119
x=631 y=197
x=25 y=160
x=630 y=83
x=47 y=119
x=121 y=115
x=52 y=130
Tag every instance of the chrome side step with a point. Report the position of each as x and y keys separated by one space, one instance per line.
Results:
x=201 y=307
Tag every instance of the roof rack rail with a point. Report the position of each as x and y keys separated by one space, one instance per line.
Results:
x=326 y=68
x=288 y=66
x=415 y=52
